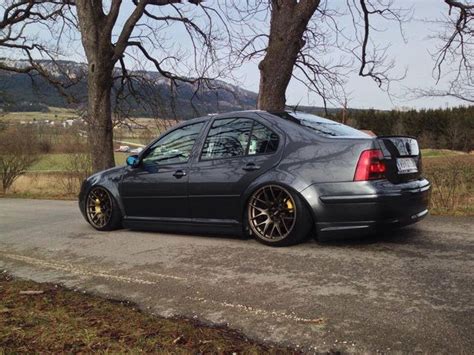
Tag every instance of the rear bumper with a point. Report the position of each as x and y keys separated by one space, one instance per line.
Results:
x=355 y=208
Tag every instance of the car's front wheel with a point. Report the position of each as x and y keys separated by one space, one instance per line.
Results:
x=277 y=217
x=102 y=210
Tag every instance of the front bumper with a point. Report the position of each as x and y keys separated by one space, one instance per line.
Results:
x=355 y=208
x=82 y=198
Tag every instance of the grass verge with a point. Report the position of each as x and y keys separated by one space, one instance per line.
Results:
x=52 y=319
x=452 y=178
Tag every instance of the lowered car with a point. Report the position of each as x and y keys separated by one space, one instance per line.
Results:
x=279 y=177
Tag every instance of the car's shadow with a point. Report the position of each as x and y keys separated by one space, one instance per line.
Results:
x=394 y=236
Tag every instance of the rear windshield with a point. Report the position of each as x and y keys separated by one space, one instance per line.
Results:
x=322 y=125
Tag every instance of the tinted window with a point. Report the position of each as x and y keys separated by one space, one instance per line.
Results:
x=263 y=140
x=322 y=125
x=227 y=138
x=175 y=147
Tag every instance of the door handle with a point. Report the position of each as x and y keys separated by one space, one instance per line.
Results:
x=179 y=174
x=251 y=167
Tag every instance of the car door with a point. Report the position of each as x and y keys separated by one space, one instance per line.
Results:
x=235 y=152
x=158 y=186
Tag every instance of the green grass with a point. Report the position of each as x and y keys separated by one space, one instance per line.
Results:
x=438 y=153
x=51 y=162
x=57 y=320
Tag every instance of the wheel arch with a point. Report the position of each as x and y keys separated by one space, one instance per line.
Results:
x=281 y=178
x=110 y=186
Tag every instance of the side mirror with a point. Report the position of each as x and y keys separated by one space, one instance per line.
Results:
x=133 y=161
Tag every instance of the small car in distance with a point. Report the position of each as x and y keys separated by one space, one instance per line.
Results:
x=277 y=176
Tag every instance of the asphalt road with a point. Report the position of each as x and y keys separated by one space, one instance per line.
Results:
x=412 y=290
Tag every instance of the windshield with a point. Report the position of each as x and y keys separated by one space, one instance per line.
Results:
x=322 y=125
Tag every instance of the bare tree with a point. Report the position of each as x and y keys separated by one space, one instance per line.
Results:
x=301 y=35
x=289 y=21
x=19 y=149
x=113 y=34
x=103 y=51
x=454 y=57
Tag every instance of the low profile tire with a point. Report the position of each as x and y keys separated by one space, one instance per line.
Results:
x=277 y=216
x=102 y=210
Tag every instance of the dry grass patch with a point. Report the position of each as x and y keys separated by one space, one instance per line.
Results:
x=58 y=186
x=453 y=184
x=57 y=320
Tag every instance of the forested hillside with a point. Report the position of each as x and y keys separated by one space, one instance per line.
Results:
x=152 y=96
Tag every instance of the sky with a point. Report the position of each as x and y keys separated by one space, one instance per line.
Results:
x=412 y=55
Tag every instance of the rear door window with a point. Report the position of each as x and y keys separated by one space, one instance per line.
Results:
x=227 y=138
x=263 y=140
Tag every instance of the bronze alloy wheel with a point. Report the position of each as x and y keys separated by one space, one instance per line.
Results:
x=272 y=213
x=99 y=207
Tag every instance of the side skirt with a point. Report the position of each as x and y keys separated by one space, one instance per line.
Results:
x=184 y=225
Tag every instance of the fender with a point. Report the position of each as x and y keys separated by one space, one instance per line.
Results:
x=279 y=177
x=110 y=180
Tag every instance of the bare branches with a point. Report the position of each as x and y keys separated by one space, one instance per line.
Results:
x=456 y=38
x=127 y=29
x=16 y=19
x=460 y=5
x=317 y=28
x=157 y=64
x=454 y=56
x=373 y=59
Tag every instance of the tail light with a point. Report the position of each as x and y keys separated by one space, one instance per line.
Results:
x=370 y=166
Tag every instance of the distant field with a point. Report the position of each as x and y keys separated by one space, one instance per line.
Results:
x=437 y=153
x=54 y=114
x=61 y=114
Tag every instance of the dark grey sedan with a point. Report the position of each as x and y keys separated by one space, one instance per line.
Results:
x=279 y=177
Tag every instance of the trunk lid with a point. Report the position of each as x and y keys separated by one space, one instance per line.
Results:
x=402 y=158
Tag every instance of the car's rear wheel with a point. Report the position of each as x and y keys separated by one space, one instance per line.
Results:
x=102 y=210
x=276 y=216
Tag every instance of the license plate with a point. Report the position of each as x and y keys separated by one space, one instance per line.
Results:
x=406 y=165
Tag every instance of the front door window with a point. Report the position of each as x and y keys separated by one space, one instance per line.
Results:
x=175 y=147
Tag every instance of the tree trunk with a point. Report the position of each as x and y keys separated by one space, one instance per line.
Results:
x=96 y=36
x=288 y=23
x=100 y=130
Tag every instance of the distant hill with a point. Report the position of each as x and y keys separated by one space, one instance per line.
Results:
x=20 y=92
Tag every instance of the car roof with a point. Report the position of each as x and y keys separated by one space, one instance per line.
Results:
x=280 y=116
